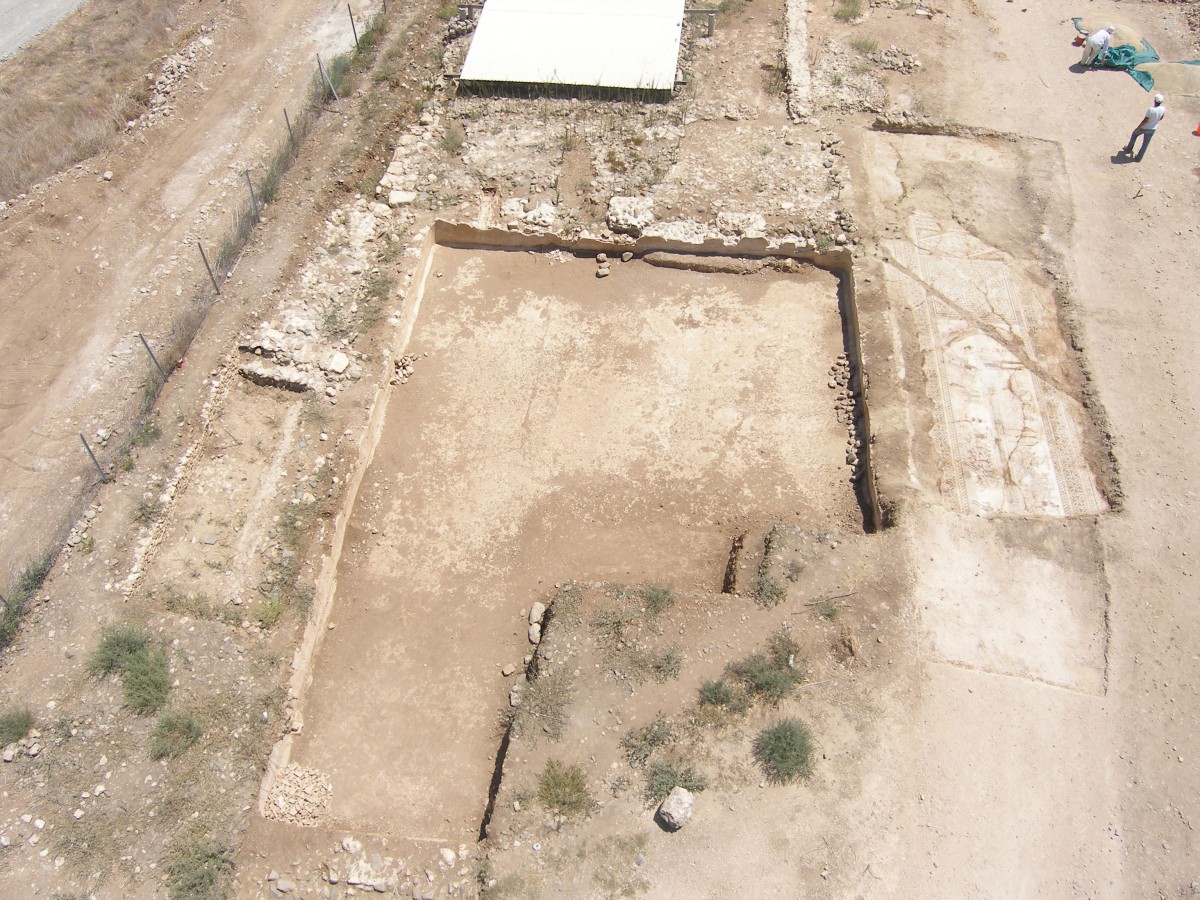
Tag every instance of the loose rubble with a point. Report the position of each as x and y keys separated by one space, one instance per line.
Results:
x=299 y=796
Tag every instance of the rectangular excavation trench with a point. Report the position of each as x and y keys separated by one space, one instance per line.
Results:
x=558 y=426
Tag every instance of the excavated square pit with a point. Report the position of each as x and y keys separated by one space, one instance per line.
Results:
x=557 y=426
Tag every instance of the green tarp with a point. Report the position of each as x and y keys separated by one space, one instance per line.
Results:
x=1124 y=56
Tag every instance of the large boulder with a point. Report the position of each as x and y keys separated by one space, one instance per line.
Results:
x=676 y=811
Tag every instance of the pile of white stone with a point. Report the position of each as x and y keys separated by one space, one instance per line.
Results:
x=174 y=69
x=308 y=345
x=299 y=796
x=846 y=408
x=79 y=533
x=896 y=60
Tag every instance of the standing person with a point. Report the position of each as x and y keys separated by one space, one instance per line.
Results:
x=1146 y=128
x=1096 y=45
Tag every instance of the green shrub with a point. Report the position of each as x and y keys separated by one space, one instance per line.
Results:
x=147 y=682
x=848 y=10
x=269 y=611
x=145 y=434
x=564 y=789
x=173 y=733
x=199 y=870
x=15 y=723
x=640 y=743
x=771 y=674
x=717 y=693
x=768 y=592
x=663 y=777
x=118 y=645
x=785 y=751
x=126 y=650
x=658 y=598
x=453 y=138
x=665 y=666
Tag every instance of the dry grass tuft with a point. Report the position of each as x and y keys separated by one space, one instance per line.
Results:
x=68 y=95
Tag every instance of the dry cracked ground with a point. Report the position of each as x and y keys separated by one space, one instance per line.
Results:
x=817 y=442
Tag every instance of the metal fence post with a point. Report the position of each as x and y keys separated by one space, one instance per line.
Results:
x=352 y=27
x=253 y=201
x=212 y=277
x=329 y=82
x=153 y=358
x=95 y=462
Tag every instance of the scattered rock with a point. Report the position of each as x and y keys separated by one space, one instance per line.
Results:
x=535 y=633
x=508 y=670
x=536 y=612
x=10 y=752
x=108 y=175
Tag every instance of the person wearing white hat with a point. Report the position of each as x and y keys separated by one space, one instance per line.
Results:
x=1096 y=45
x=1146 y=128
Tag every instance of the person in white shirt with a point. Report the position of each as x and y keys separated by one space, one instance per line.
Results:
x=1146 y=128
x=1096 y=45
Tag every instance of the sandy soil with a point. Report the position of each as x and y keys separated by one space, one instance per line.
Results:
x=1003 y=698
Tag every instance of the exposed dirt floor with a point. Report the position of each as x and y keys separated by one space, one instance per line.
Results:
x=465 y=544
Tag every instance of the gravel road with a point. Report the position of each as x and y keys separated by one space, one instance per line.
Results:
x=22 y=21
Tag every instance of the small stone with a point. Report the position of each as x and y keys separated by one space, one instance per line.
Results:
x=10 y=753
x=535 y=633
x=676 y=810
x=108 y=175
x=78 y=814
x=33 y=749
x=285 y=885
x=536 y=612
x=272 y=875
x=350 y=845
x=39 y=824
x=602 y=272
x=601 y=258
x=508 y=670
x=448 y=856
x=627 y=256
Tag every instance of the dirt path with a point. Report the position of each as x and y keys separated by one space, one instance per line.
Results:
x=1027 y=783
x=90 y=262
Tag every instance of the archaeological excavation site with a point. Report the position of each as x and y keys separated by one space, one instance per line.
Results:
x=540 y=448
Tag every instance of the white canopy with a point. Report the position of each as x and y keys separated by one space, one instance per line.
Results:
x=592 y=43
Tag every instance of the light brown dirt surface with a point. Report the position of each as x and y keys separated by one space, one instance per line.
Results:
x=556 y=424
x=506 y=513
